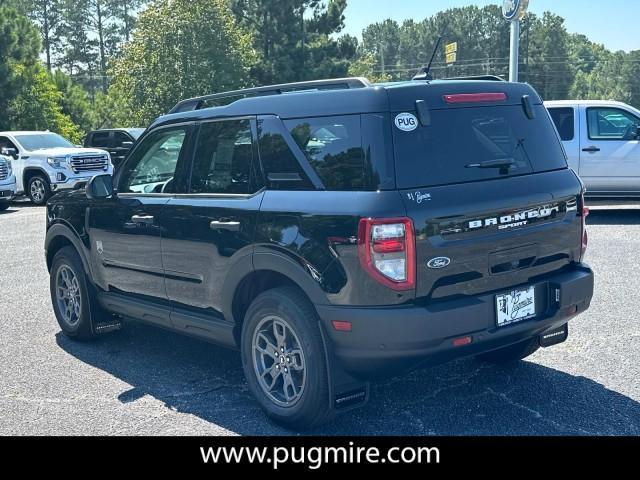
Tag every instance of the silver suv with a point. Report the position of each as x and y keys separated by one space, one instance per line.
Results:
x=45 y=162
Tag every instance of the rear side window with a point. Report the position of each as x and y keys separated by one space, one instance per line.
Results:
x=564 y=120
x=333 y=147
x=281 y=167
x=223 y=159
x=458 y=140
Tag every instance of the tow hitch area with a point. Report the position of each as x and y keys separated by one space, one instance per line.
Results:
x=554 y=336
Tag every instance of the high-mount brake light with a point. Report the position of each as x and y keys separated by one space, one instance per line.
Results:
x=386 y=248
x=476 y=97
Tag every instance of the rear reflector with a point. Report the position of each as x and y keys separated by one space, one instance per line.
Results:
x=458 y=342
x=476 y=97
x=341 y=326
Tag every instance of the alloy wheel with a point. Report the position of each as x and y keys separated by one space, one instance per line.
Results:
x=68 y=295
x=278 y=361
x=37 y=190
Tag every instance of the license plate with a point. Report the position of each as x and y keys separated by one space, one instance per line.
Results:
x=515 y=306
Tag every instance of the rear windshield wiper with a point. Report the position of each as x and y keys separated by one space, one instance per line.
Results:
x=501 y=163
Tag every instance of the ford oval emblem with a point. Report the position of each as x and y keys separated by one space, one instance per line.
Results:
x=439 y=262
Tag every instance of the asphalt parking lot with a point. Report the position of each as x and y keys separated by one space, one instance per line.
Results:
x=143 y=380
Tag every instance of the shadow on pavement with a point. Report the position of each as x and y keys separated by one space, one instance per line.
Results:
x=460 y=398
x=616 y=216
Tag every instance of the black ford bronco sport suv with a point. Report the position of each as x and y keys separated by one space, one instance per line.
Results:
x=333 y=231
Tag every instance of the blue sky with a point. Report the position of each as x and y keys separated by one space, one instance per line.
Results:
x=614 y=23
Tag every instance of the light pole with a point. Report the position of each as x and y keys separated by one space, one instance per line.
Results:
x=514 y=11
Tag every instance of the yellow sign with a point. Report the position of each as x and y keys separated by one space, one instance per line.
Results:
x=452 y=57
x=450 y=48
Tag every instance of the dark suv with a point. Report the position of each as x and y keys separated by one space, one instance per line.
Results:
x=333 y=231
x=117 y=141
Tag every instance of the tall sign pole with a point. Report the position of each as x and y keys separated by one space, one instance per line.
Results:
x=514 y=11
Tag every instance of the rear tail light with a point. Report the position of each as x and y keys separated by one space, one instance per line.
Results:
x=386 y=249
x=584 y=213
x=476 y=97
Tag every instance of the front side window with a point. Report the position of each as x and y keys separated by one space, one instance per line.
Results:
x=564 y=121
x=152 y=167
x=333 y=146
x=611 y=124
x=224 y=157
x=6 y=143
x=119 y=138
x=100 y=139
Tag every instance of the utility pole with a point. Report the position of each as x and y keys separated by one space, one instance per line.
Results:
x=514 y=11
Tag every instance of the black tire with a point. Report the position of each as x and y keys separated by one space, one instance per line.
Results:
x=313 y=406
x=38 y=190
x=4 y=206
x=512 y=353
x=82 y=326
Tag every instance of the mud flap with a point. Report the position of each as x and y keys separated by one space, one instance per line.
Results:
x=345 y=391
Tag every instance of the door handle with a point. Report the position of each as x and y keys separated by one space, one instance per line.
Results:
x=591 y=149
x=224 y=225
x=145 y=219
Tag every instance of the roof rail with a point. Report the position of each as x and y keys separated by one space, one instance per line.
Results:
x=329 y=84
x=493 y=78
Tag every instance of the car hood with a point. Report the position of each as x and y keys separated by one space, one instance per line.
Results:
x=61 y=152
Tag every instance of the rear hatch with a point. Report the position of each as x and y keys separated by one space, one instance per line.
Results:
x=485 y=181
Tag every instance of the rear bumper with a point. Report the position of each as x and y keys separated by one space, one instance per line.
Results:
x=385 y=339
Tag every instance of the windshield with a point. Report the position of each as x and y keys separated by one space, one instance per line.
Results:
x=39 y=141
x=479 y=143
x=135 y=132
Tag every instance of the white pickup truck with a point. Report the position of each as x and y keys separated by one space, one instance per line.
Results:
x=44 y=163
x=602 y=141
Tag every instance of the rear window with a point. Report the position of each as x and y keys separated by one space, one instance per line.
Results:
x=459 y=139
x=564 y=120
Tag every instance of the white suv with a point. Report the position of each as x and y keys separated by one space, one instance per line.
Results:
x=7 y=181
x=45 y=162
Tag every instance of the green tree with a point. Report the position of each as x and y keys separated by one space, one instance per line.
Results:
x=550 y=70
x=295 y=39
x=37 y=105
x=47 y=15
x=124 y=11
x=19 y=45
x=79 y=54
x=74 y=101
x=180 y=48
x=365 y=66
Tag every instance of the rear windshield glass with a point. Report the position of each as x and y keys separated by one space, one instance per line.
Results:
x=478 y=143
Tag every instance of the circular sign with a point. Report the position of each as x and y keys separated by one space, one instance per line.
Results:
x=514 y=9
x=406 y=122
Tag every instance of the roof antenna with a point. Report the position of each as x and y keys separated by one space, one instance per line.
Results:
x=424 y=72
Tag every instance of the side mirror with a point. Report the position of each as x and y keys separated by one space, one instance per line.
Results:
x=9 y=152
x=126 y=144
x=636 y=132
x=100 y=187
